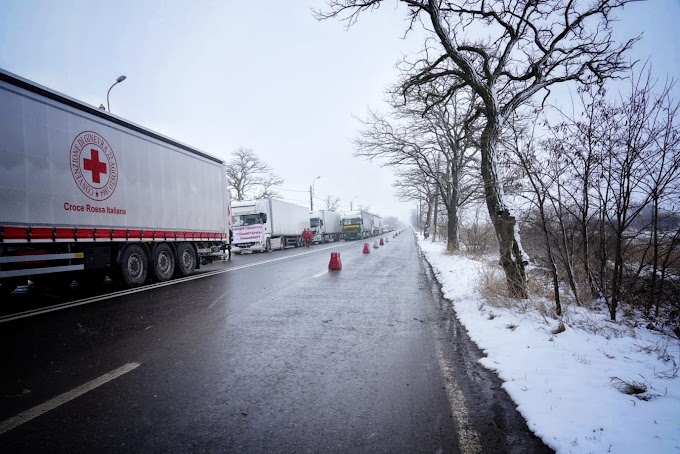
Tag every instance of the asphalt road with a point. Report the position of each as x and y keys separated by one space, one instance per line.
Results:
x=266 y=353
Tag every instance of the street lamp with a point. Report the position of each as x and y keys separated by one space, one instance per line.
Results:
x=119 y=80
x=351 y=207
x=311 y=194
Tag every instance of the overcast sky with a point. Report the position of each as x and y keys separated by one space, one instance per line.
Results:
x=218 y=75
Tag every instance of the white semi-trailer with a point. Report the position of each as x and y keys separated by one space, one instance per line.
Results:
x=377 y=228
x=85 y=194
x=265 y=224
x=326 y=226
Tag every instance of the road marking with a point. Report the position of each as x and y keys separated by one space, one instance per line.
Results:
x=320 y=274
x=53 y=403
x=468 y=438
x=94 y=299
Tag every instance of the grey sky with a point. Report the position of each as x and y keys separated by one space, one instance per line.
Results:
x=260 y=74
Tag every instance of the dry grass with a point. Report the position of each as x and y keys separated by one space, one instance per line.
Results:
x=629 y=387
x=493 y=287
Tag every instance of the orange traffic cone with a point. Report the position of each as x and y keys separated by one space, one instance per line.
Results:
x=335 y=263
x=382 y=242
x=367 y=250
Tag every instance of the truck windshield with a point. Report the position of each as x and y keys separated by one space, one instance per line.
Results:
x=247 y=219
x=351 y=221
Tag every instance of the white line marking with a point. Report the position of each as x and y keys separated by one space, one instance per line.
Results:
x=94 y=299
x=468 y=437
x=320 y=274
x=53 y=403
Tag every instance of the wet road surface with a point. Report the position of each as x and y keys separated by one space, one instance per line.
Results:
x=277 y=354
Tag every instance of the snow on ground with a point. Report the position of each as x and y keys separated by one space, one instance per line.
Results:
x=563 y=383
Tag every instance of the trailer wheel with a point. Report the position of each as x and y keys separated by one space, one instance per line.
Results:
x=134 y=265
x=186 y=259
x=268 y=245
x=163 y=262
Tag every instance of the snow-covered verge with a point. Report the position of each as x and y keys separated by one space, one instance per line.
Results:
x=566 y=385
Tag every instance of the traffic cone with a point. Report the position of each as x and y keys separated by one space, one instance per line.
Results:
x=335 y=263
x=382 y=242
x=375 y=244
x=387 y=239
x=366 y=249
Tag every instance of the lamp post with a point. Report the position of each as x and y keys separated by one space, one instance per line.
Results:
x=351 y=207
x=311 y=194
x=119 y=80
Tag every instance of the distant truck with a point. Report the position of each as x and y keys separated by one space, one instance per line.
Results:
x=326 y=226
x=85 y=194
x=356 y=225
x=377 y=228
x=265 y=224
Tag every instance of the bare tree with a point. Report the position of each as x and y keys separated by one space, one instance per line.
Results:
x=331 y=203
x=249 y=177
x=616 y=192
x=414 y=186
x=541 y=179
x=438 y=144
x=531 y=46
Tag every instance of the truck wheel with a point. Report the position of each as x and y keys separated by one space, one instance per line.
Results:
x=134 y=265
x=186 y=259
x=268 y=245
x=163 y=262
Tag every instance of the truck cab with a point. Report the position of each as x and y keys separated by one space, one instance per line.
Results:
x=262 y=225
x=250 y=224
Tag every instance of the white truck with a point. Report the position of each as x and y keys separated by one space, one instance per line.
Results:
x=87 y=194
x=377 y=228
x=356 y=225
x=326 y=226
x=265 y=224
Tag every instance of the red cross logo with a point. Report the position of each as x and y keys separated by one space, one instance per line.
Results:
x=94 y=165
x=101 y=163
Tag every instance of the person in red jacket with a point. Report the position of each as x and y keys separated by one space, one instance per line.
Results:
x=307 y=236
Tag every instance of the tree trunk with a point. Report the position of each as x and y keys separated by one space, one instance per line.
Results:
x=551 y=256
x=511 y=253
x=436 y=215
x=428 y=217
x=617 y=278
x=585 y=237
x=452 y=243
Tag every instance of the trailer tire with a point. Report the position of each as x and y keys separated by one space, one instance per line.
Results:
x=134 y=265
x=186 y=259
x=163 y=262
x=268 y=245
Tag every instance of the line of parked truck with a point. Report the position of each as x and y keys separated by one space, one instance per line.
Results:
x=86 y=194
x=264 y=225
